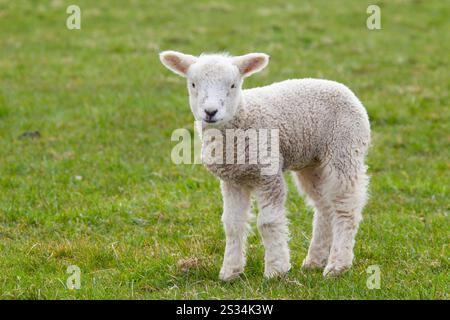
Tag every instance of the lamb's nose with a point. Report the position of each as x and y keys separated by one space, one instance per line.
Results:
x=211 y=112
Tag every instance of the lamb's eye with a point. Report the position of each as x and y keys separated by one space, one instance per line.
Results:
x=233 y=86
x=193 y=85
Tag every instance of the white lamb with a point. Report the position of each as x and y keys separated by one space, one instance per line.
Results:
x=324 y=134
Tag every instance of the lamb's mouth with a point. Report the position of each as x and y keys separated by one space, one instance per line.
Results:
x=210 y=120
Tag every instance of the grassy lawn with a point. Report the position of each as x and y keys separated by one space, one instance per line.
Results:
x=98 y=190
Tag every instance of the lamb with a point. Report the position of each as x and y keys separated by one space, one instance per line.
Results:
x=324 y=135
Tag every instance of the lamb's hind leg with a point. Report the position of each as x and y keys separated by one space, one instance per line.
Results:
x=311 y=181
x=348 y=202
x=272 y=225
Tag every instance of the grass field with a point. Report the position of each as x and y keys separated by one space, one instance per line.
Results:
x=97 y=189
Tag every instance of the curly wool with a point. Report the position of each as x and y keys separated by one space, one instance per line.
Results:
x=319 y=122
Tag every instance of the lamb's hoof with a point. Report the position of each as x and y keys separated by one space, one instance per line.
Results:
x=276 y=270
x=312 y=264
x=335 y=269
x=228 y=274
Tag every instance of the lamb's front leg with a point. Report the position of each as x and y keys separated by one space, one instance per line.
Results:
x=236 y=212
x=273 y=227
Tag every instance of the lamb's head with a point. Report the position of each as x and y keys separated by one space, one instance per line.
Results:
x=214 y=81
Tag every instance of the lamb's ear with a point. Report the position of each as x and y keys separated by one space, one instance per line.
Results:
x=177 y=62
x=251 y=63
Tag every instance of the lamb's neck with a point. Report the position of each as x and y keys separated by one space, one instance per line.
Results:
x=239 y=116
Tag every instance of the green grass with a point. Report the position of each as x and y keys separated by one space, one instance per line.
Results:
x=98 y=189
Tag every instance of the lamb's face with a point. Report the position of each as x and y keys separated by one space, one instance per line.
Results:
x=214 y=81
x=214 y=86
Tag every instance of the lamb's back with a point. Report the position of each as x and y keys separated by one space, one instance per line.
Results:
x=302 y=95
x=311 y=115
